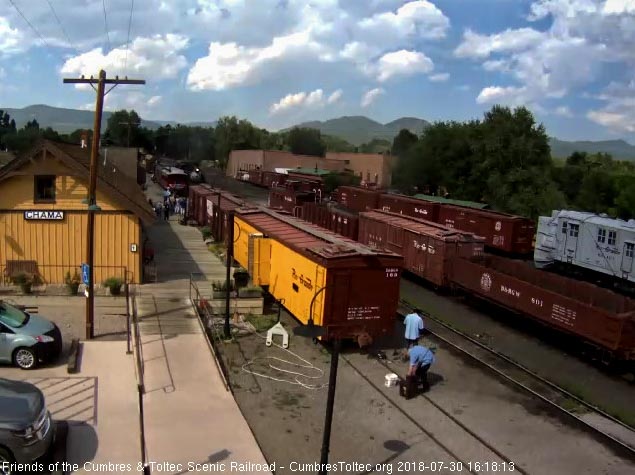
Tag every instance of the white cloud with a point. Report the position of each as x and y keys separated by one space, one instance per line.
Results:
x=497 y=94
x=230 y=65
x=420 y=18
x=563 y=111
x=619 y=6
x=157 y=57
x=10 y=38
x=335 y=97
x=481 y=46
x=440 y=77
x=370 y=96
x=402 y=63
x=310 y=100
x=618 y=114
x=582 y=36
x=154 y=100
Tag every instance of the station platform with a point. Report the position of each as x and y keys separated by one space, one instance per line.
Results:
x=190 y=417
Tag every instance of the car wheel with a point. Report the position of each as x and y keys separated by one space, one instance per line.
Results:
x=25 y=358
x=6 y=458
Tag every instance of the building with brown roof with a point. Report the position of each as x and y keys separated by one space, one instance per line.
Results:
x=371 y=167
x=43 y=216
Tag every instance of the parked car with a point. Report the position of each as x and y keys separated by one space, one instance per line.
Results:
x=26 y=339
x=26 y=428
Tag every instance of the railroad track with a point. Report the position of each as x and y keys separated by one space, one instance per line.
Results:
x=461 y=464
x=522 y=377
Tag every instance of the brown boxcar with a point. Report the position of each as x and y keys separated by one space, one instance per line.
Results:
x=357 y=198
x=251 y=176
x=337 y=220
x=346 y=287
x=597 y=315
x=428 y=248
x=409 y=206
x=289 y=200
x=217 y=215
x=270 y=179
x=197 y=203
x=506 y=232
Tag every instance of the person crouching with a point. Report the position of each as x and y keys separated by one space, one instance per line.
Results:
x=421 y=358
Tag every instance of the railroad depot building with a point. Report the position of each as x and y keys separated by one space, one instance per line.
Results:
x=370 y=167
x=43 y=216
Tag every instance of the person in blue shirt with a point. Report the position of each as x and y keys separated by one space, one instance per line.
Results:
x=420 y=360
x=414 y=327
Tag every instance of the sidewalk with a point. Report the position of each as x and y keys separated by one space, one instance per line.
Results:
x=189 y=415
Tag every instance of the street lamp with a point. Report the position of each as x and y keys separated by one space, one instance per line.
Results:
x=310 y=330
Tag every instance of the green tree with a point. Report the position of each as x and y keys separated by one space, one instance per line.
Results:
x=123 y=129
x=304 y=141
x=233 y=134
x=402 y=142
x=337 y=144
x=375 y=146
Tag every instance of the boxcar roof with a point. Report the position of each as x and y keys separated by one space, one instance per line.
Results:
x=596 y=219
x=305 y=237
x=417 y=225
x=450 y=201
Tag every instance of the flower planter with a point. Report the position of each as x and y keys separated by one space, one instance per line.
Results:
x=114 y=290
x=26 y=288
x=249 y=293
x=219 y=294
x=241 y=279
x=73 y=288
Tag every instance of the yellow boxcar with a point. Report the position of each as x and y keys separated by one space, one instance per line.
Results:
x=348 y=288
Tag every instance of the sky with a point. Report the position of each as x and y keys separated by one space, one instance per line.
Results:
x=282 y=62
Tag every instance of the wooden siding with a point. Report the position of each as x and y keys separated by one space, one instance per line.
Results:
x=60 y=246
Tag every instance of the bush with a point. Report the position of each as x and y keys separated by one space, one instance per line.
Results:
x=206 y=232
x=114 y=284
x=72 y=282
x=221 y=286
x=26 y=278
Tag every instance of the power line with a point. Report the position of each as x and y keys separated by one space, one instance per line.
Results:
x=29 y=23
x=103 y=2
x=125 y=64
x=59 y=22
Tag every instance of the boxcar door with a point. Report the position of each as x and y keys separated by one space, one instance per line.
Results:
x=571 y=242
x=627 y=257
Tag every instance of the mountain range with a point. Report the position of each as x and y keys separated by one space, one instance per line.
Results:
x=354 y=129
x=68 y=120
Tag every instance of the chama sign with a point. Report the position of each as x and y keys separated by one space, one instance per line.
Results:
x=51 y=215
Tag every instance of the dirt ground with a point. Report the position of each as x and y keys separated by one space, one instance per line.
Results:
x=373 y=425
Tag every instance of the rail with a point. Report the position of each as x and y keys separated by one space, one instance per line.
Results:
x=128 y=320
x=517 y=366
x=138 y=345
x=211 y=331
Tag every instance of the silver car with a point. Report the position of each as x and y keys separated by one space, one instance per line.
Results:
x=27 y=339
x=26 y=428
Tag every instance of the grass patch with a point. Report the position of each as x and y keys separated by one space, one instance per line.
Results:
x=262 y=322
x=218 y=249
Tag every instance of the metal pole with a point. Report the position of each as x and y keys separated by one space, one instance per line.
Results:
x=216 y=221
x=326 y=438
x=230 y=259
x=92 y=201
x=128 y=329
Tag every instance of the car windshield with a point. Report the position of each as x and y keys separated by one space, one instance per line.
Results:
x=12 y=316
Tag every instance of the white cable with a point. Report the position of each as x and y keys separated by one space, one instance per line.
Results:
x=309 y=366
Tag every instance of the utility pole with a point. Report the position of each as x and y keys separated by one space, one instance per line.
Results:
x=129 y=123
x=101 y=82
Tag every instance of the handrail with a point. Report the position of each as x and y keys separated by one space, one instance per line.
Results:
x=138 y=346
x=128 y=318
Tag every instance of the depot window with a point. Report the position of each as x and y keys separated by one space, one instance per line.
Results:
x=564 y=227
x=612 y=238
x=601 y=235
x=630 y=249
x=44 y=189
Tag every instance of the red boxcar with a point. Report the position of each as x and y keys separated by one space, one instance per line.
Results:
x=409 y=206
x=270 y=179
x=356 y=198
x=428 y=248
x=197 y=203
x=601 y=317
x=334 y=219
x=289 y=200
x=217 y=215
x=251 y=176
x=506 y=232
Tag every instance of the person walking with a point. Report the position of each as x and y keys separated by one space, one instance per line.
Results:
x=414 y=327
x=166 y=212
x=177 y=206
x=421 y=358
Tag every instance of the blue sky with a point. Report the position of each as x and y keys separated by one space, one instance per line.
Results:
x=280 y=62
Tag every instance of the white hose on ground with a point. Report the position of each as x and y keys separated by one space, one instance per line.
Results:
x=308 y=365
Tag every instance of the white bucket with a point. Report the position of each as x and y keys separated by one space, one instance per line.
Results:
x=391 y=380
